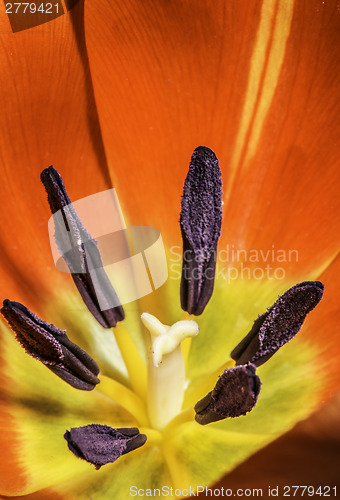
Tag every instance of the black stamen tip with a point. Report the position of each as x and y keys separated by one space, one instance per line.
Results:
x=55 y=188
x=50 y=345
x=200 y=221
x=83 y=260
x=235 y=394
x=35 y=335
x=101 y=444
x=279 y=324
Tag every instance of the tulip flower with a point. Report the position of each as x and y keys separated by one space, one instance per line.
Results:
x=121 y=94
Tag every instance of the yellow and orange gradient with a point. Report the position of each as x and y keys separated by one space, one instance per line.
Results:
x=119 y=94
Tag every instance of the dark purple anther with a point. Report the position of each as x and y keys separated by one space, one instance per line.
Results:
x=83 y=259
x=101 y=444
x=279 y=324
x=51 y=346
x=235 y=394
x=201 y=219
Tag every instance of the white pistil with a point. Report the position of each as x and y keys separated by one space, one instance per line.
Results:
x=166 y=371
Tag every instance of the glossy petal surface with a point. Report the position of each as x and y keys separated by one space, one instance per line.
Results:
x=48 y=116
x=232 y=78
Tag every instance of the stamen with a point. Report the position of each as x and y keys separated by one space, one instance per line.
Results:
x=51 y=346
x=100 y=444
x=201 y=219
x=279 y=324
x=235 y=394
x=84 y=256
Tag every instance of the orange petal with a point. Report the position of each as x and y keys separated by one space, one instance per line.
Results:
x=167 y=78
x=12 y=474
x=36 y=408
x=307 y=455
x=48 y=117
x=287 y=169
x=323 y=329
x=47 y=494
x=256 y=82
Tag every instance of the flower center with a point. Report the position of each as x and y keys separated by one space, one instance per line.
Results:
x=166 y=369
